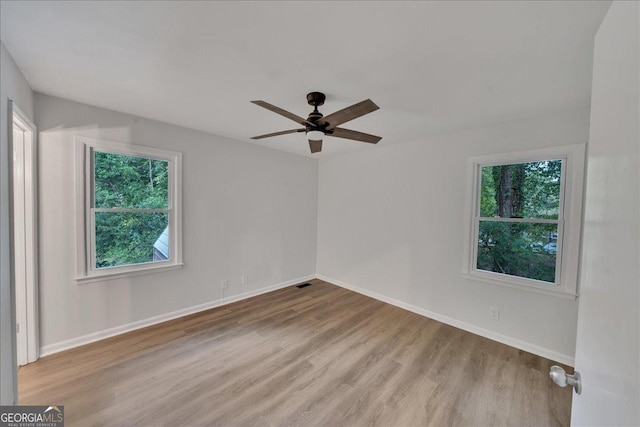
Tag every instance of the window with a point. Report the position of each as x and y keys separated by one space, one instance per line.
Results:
x=526 y=219
x=129 y=210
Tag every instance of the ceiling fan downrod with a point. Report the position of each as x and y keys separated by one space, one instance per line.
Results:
x=315 y=99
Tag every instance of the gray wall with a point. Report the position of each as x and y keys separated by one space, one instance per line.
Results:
x=247 y=210
x=13 y=86
x=391 y=222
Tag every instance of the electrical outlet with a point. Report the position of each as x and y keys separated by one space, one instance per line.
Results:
x=494 y=313
x=245 y=279
x=225 y=284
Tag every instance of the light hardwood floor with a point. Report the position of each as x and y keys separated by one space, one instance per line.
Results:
x=320 y=355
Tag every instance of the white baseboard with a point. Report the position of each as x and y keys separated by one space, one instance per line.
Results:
x=522 y=345
x=107 y=333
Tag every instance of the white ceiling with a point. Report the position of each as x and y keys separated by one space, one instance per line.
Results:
x=430 y=66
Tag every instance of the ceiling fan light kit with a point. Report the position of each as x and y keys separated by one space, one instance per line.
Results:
x=315 y=135
x=316 y=126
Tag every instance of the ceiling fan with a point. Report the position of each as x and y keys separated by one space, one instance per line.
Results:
x=317 y=126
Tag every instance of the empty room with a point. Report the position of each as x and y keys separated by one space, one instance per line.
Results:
x=320 y=213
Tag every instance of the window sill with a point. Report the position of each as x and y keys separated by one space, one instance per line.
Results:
x=559 y=293
x=124 y=274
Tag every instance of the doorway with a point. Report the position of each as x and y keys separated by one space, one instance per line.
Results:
x=24 y=226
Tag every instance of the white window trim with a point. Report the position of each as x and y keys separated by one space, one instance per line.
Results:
x=569 y=220
x=85 y=271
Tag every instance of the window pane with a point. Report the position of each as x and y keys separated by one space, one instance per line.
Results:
x=518 y=249
x=124 y=238
x=131 y=182
x=529 y=190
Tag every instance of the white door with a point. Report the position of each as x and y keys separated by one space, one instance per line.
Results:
x=19 y=251
x=607 y=349
x=24 y=250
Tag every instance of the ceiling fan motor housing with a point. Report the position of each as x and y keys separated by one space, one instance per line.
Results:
x=316 y=98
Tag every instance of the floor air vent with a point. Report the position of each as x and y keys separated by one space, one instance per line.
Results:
x=304 y=285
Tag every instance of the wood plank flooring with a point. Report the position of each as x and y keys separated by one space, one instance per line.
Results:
x=320 y=355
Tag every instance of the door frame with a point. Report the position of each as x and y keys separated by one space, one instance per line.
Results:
x=28 y=259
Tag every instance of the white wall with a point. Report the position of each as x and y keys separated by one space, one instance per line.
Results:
x=13 y=86
x=391 y=222
x=608 y=344
x=247 y=210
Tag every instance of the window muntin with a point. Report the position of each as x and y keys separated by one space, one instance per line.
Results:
x=131 y=213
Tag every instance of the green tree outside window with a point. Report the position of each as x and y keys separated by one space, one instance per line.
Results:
x=131 y=200
x=519 y=208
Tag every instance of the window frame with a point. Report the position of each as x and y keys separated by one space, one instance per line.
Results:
x=85 y=211
x=569 y=219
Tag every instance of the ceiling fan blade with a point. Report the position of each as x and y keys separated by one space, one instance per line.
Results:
x=282 y=112
x=346 y=114
x=355 y=135
x=315 y=146
x=284 y=132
